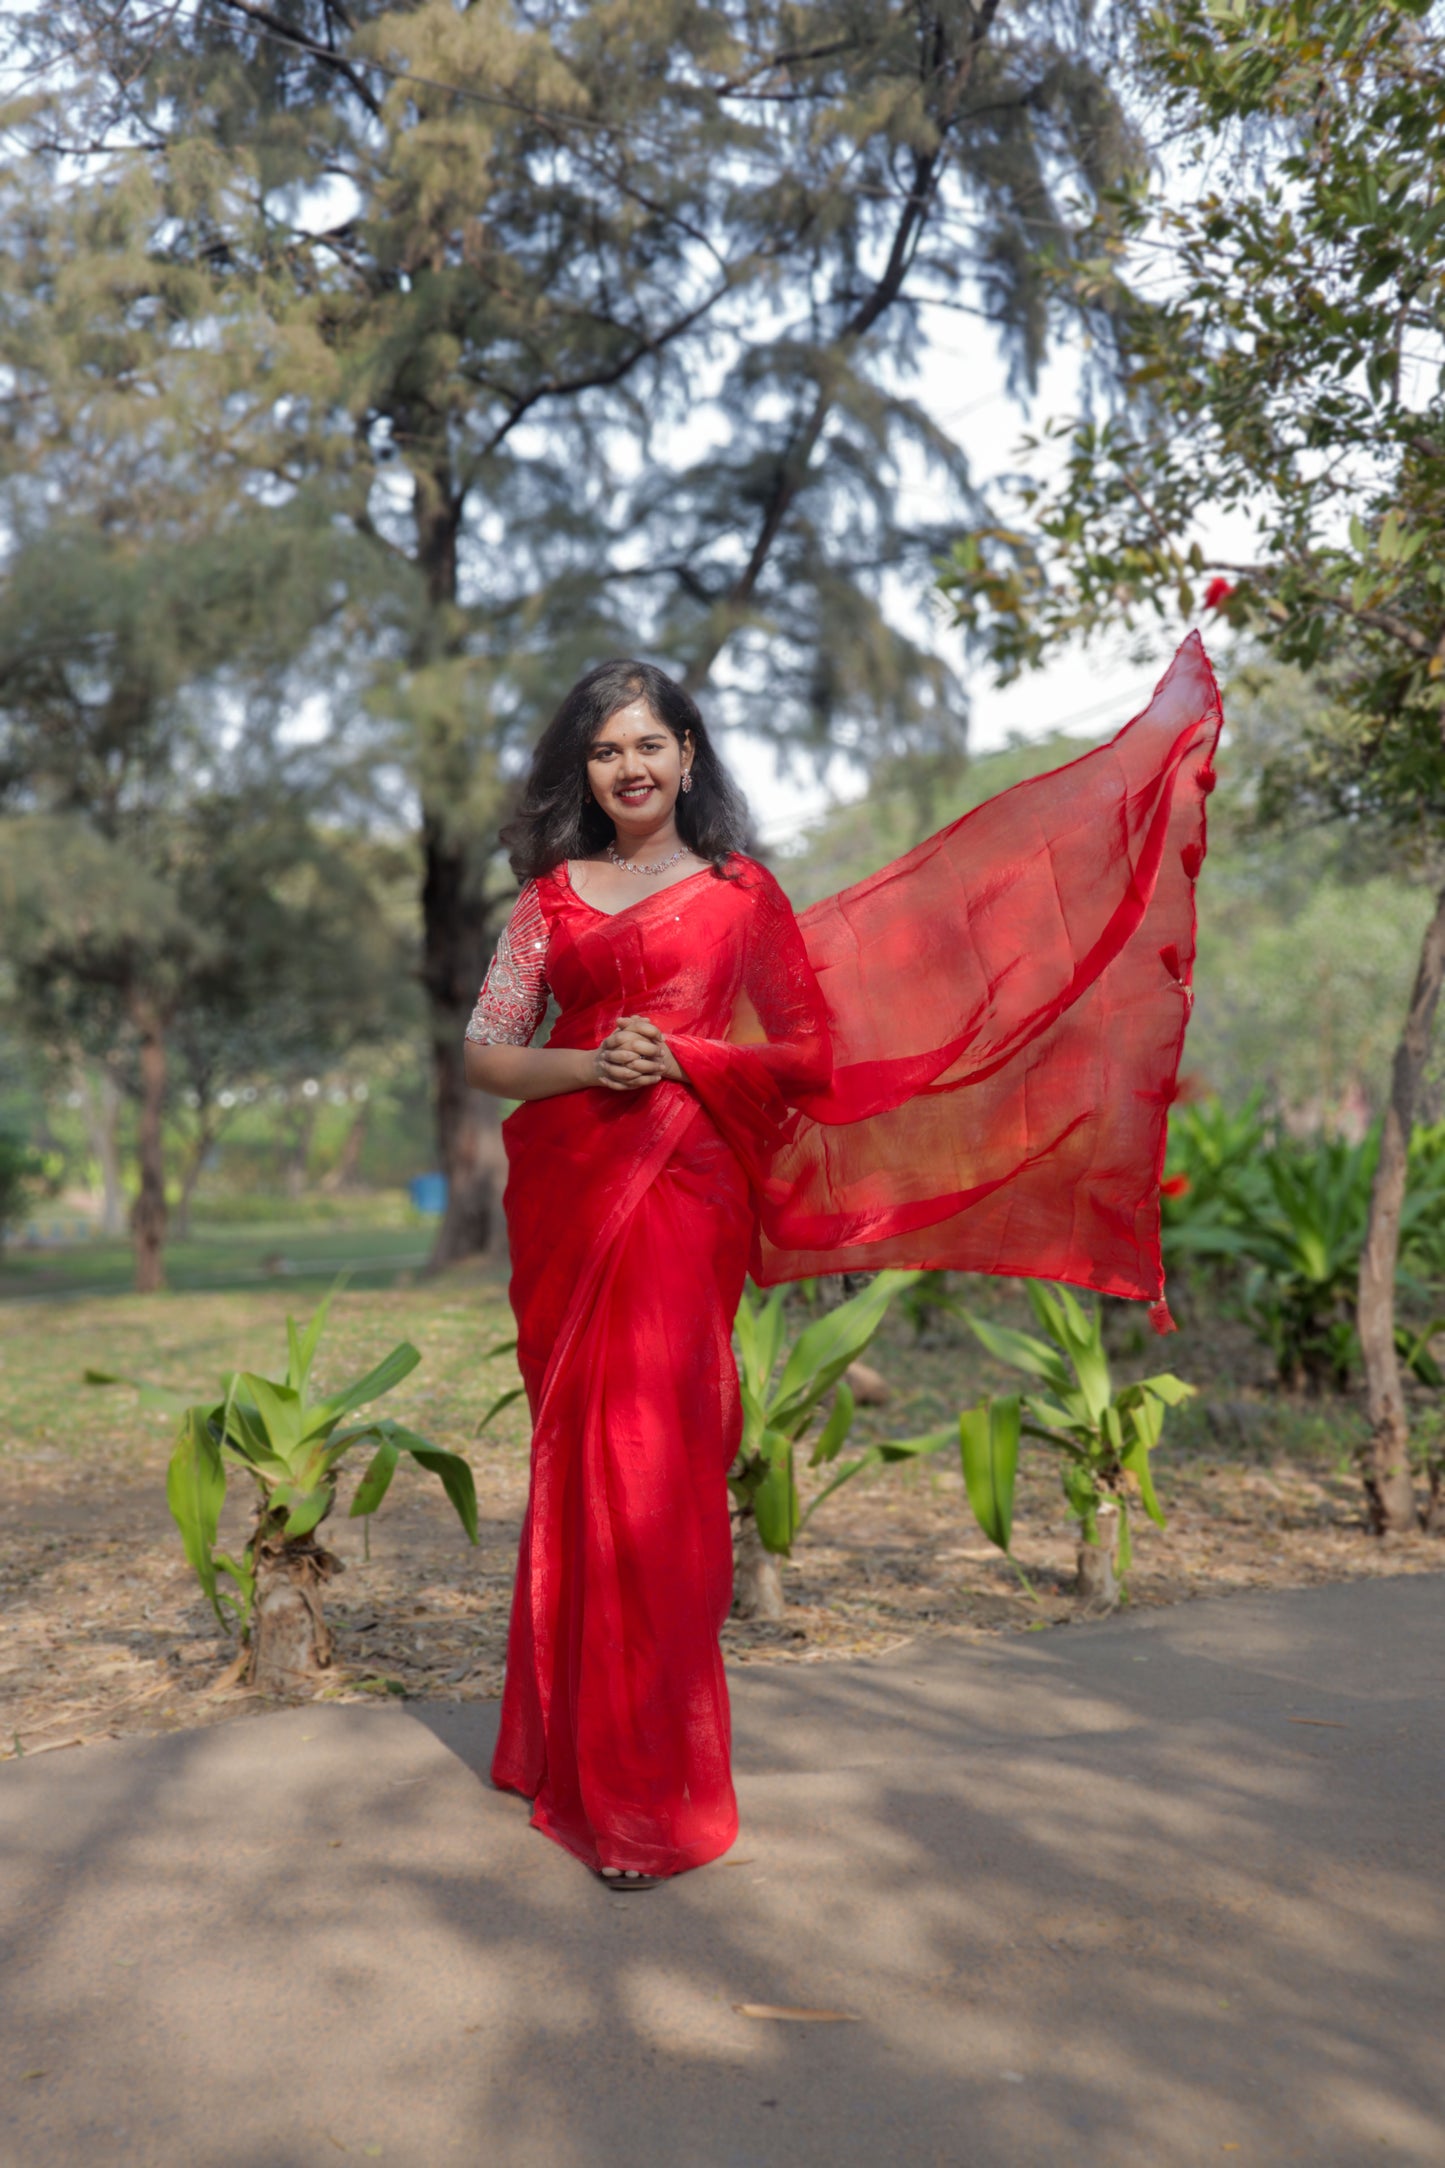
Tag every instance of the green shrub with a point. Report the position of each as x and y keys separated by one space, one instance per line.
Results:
x=19 y=1167
x=1280 y=1221
x=778 y=1414
x=292 y=1447
x=1103 y=1436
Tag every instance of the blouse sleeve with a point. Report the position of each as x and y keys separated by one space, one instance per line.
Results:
x=513 y=999
x=783 y=1018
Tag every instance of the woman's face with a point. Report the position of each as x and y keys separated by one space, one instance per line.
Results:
x=635 y=768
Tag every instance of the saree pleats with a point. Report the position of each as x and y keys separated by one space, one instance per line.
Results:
x=615 y=1711
x=966 y=1060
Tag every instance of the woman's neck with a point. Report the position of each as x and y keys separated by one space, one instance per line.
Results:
x=664 y=842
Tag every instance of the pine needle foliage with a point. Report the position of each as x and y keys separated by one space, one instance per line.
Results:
x=599 y=326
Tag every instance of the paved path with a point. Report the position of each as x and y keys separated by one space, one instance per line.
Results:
x=1163 y=1892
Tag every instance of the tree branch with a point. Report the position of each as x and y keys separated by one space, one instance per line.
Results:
x=274 y=27
x=797 y=455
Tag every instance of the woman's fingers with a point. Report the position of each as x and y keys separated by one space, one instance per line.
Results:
x=641 y=1028
x=625 y=1042
x=629 y=1042
x=622 y=1063
x=620 y=1069
x=633 y=1055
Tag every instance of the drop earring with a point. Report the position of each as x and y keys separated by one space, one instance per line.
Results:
x=686 y=784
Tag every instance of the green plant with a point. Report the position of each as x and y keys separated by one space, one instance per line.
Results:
x=1212 y=1162
x=1422 y=1231
x=1301 y=1241
x=19 y=1167
x=778 y=1412
x=1104 y=1436
x=927 y=1303
x=292 y=1448
x=1299 y=1230
x=1291 y=1216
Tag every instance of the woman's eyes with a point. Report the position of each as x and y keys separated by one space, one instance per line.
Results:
x=607 y=752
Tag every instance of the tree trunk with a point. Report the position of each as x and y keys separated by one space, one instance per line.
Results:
x=290 y=1640
x=100 y=1111
x=757 y=1574
x=1389 y=1487
x=1435 y=1505
x=342 y=1175
x=298 y=1156
x=148 y=1213
x=454 y=908
x=468 y=1130
x=1096 y=1585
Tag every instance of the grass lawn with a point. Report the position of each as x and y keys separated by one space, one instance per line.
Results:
x=103 y=1629
x=301 y=1255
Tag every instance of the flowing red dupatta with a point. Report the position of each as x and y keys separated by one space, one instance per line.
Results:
x=1007 y=1007
x=966 y=1060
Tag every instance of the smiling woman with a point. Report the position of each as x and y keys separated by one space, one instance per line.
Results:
x=625 y=786
x=966 y=1060
x=631 y=1223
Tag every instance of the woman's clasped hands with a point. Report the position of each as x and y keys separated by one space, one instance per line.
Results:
x=635 y=1054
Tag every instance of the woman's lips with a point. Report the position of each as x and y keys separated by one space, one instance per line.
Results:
x=635 y=794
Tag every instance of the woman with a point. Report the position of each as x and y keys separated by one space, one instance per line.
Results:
x=966 y=1060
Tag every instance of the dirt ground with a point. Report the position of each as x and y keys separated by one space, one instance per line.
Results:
x=103 y=1630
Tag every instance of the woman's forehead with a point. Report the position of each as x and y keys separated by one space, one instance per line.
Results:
x=625 y=725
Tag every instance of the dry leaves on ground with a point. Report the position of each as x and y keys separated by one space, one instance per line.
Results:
x=104 y=1632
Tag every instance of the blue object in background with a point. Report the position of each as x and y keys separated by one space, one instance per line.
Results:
x=428 y=1193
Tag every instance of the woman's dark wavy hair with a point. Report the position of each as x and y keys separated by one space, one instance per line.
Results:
x=558 y=817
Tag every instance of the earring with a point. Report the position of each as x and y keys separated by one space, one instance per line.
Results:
x=686 y=780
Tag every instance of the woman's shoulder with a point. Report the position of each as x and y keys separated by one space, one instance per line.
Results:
x=549 y=888
x=754 y=879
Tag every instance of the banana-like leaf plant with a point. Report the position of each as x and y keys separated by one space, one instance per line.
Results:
x=292 y=1446
x=779 y=1407
x=1103 y=1436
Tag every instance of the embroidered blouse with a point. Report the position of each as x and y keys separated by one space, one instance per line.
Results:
x=513 y=999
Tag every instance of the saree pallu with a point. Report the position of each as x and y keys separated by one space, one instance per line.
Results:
x=966 y=1060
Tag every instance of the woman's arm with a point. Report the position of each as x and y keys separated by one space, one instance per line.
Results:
x=528 y=1072
x=498 y=1055
x=633 y=1056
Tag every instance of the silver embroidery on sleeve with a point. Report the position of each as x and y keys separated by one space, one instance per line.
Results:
x=513 y=999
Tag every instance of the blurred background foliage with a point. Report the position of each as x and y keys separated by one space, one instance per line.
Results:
x=316 y=1092
x=384 y=365
x=365 y=372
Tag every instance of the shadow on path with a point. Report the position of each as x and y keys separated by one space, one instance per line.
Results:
x=1162 y=1892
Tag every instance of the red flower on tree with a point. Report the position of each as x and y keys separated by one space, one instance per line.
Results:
x=1218 y=592
x=1178 y=1185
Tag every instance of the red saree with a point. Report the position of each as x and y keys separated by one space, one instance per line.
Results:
x=966 y=1060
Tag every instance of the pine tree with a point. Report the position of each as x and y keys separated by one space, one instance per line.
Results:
x=506 y=258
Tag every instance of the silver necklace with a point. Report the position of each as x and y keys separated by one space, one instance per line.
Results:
x=635 y=865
